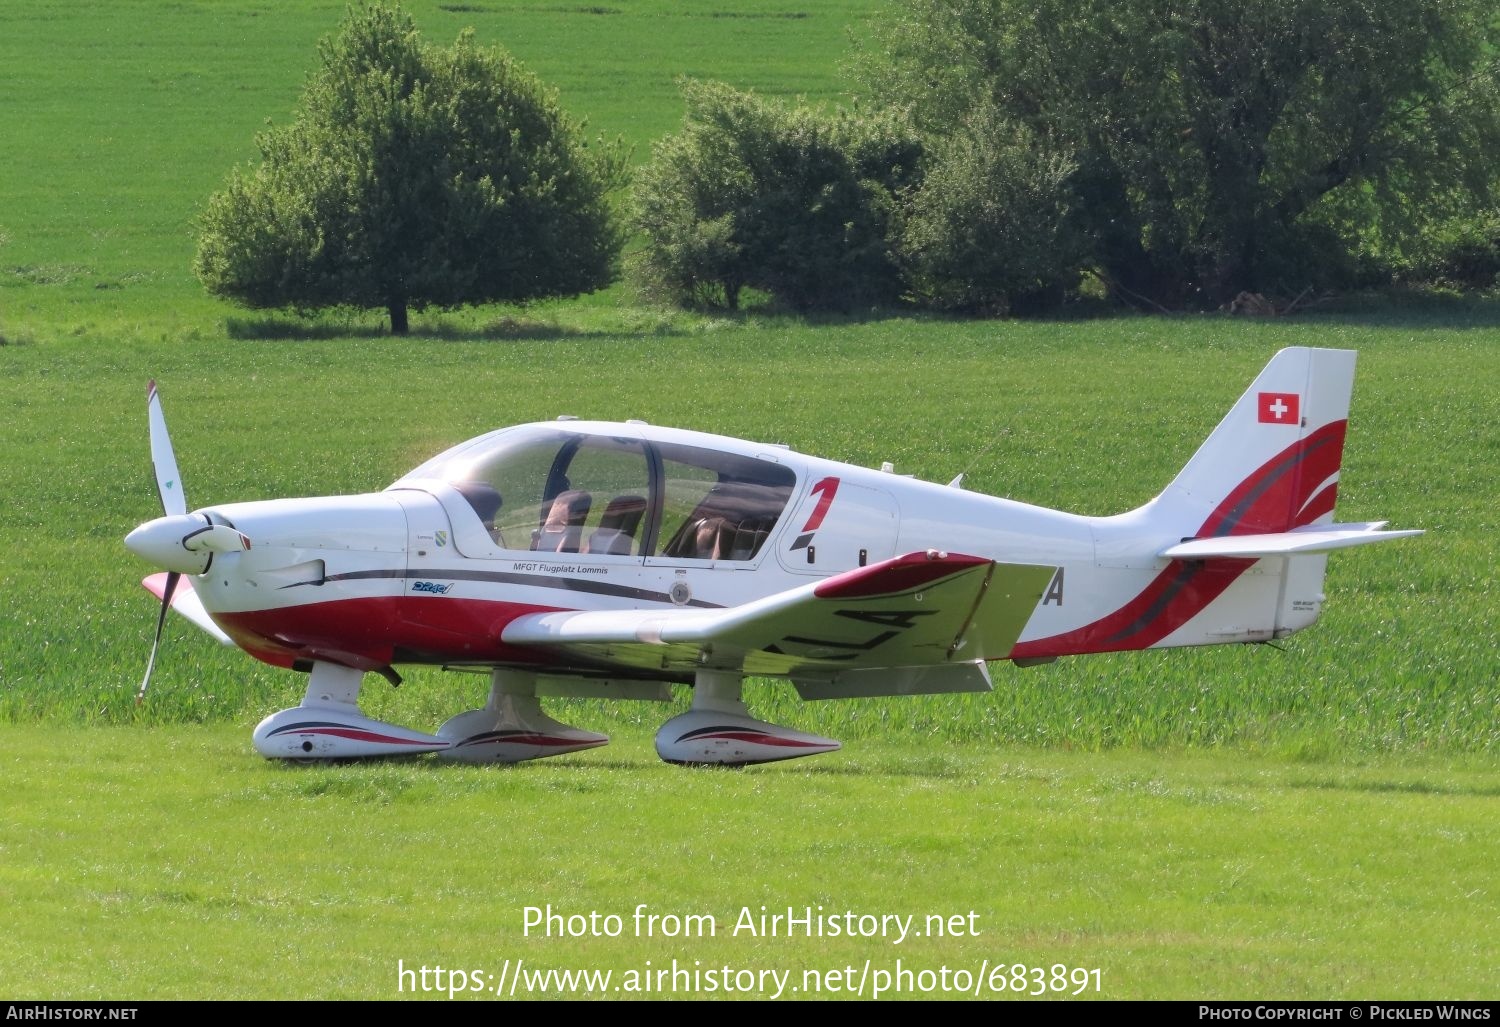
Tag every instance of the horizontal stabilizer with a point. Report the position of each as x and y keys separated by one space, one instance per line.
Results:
x=186 y=602
x=1297 y=542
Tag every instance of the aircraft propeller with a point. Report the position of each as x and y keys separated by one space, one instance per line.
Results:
x=178 y=542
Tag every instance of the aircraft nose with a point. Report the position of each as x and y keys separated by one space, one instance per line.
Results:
x=183 y=542
x=161 y=544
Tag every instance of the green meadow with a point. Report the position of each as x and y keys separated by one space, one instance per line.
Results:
x=1181 y=876
x=1316 y=820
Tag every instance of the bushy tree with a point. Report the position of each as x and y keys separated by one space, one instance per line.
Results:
x=989 y=229
x=414 y=176
x=787 y=199
x=1464 y=251
x=1217 y=142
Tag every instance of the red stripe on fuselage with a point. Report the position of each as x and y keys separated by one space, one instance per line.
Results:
x=1174 y=596
x=367 y=633
x=1276 y=497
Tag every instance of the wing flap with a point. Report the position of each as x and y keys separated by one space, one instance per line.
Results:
x=919 y=610
x=868 y=682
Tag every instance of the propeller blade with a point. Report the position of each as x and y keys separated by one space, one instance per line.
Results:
x=163 y=460
x=178 y=542
x=161 y=620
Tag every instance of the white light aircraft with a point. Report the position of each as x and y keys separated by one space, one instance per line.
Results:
x=579 y=558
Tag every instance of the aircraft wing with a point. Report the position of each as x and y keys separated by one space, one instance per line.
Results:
x=186 y=602
x=916 y=623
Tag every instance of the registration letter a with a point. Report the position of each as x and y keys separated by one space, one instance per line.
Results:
x=1055 y=589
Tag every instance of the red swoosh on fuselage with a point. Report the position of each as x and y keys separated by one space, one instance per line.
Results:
x=374 y=632
x=1277 y=496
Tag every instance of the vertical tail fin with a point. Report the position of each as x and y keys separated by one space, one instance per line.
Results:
x=1235 y=548
x=1272 y=464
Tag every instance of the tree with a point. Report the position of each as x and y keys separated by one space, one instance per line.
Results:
x=989 y=229
x=1218 y=144
x=414 y=176
x=788 y=199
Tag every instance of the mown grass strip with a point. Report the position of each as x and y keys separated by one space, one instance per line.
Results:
x=171 y=863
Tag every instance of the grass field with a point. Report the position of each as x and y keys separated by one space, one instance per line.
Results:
x=1318 y=822
x=165 y=863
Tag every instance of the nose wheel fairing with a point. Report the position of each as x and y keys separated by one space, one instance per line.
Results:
x=337 y=732
x=328 y=724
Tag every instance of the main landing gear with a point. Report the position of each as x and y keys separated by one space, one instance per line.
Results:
x=511 y=727
x=719 y=730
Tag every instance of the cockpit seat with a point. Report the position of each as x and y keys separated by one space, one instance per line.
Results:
x=615 y=534
x=562 y=532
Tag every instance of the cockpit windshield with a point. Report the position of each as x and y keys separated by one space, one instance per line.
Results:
x=544 y=489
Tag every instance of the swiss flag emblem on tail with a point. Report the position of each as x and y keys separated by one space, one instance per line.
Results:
x=1279 y=408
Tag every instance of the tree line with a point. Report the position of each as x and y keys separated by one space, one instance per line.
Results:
x=1176 y=153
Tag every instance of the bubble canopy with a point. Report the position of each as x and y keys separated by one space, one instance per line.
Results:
x=612 y=490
